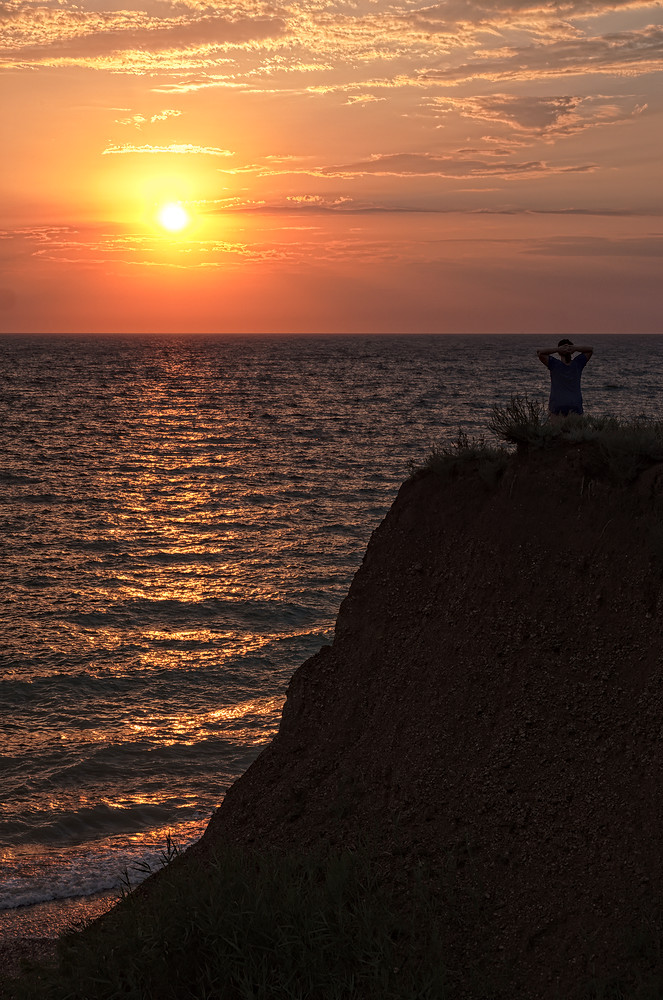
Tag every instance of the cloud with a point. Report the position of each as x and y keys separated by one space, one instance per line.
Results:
x=139 y=120
x=116 y=245
x=166 y=113
x=364 y=99
x=464 y=163
x=199 y=81
x=314 y=201
x=543 y=117
x=404 y=29
x=179 y=149
x=344 y=205
x=429 y=164
x=119 y=248
x=47 y=36
x=474 y=13
x=623 y=53
x=311 y=38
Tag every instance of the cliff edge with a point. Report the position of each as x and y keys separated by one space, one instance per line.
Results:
x=493 y=695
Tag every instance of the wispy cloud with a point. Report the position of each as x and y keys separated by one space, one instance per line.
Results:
x=91 y=246
x=179 y=149
x=319 y=202
x=312 y=204
x=429 y=164
x=549 y=118
x=118 y=249
x=139 y=120
x=364 y=99
x=414 y=45
x=50 y=36
x=624 y=53
x=523 y=14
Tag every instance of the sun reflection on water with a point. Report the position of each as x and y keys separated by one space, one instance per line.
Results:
x=191 y=729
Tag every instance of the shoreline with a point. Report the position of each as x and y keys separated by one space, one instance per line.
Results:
x=30 y=933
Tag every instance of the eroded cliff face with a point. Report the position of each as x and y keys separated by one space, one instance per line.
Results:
x=494 y=690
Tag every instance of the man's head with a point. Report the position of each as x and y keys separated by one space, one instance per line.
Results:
x=568 y=344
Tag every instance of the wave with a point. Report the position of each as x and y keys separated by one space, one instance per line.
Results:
x=17 y=892
x=169 y=558
x=252 y=615
x=88 y=823
x=50 y=498
x=15 y=477
x=75 y=872
x=38 y=676
x=40 y=581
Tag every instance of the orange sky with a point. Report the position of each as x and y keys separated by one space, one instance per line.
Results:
x=356 y=166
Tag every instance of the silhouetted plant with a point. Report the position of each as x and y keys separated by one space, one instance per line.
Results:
x=447 y=458
x=145 y=868
x=522 y=421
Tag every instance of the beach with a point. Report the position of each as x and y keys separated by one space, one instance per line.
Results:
x=31 y=932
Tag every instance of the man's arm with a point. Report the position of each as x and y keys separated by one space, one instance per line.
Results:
x=588 y=351
x=544 y=355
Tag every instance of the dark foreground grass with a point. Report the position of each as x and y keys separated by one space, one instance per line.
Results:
x=243 y=926
x=247 y=926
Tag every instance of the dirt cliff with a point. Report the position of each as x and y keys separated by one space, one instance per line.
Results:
x=494 y=694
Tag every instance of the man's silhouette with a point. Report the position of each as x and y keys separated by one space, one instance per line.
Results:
x=565 y=394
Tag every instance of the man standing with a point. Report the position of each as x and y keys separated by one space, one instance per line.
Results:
x=565 y=394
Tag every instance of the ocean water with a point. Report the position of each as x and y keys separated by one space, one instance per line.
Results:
x=181 y=518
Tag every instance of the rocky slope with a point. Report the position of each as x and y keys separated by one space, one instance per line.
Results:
x=493 y=694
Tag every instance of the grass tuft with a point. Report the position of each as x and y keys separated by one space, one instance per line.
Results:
x=522 y=421
x=170 y=851
x=447 y=459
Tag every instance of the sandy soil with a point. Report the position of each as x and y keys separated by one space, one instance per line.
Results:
x=31 y=932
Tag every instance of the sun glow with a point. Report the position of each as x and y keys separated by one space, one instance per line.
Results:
x=173 y=217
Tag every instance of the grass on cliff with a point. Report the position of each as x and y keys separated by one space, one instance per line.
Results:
x=447 y=459
x=623 y=448
x=243 y=926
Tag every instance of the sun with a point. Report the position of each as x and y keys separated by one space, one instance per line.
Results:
x=173 y=217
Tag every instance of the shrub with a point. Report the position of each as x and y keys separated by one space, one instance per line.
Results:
x=523 y=421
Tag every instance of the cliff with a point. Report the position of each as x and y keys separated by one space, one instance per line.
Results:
x=493 y=695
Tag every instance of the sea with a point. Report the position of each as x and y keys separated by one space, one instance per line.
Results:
x=181 y=518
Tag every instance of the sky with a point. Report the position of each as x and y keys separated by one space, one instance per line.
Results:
x=353 y=166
